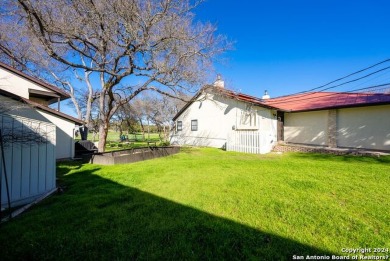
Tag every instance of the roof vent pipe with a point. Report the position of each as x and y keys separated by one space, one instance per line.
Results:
x=219 y=82
x=265 y=96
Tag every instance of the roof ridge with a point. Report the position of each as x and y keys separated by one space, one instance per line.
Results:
x=35 y=80
x=51 y=110
x=40 y=106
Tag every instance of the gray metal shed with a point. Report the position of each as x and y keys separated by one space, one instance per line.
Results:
x=30 y=163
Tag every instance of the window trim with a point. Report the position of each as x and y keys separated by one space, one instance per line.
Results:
x=254 y=121
x=179 y=126
x=194 y=127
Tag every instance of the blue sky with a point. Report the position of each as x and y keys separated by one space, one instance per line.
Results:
x=291 y=46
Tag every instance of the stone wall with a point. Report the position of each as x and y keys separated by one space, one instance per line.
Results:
x=132 y=155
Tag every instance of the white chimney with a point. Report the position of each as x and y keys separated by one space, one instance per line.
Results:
x=219 y=82
x=265 y=96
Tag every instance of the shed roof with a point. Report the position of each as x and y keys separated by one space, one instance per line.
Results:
x=37 y=81
x=41 y=107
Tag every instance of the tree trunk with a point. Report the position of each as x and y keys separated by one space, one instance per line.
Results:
x=143 y=129
x=103 y=131
x=104 y=121
x=165 y=133
x=148 y=130
x=120 y=129
x=128 y=126
x=77 y=107
x=89 y=100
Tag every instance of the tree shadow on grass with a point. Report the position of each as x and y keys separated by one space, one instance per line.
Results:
x=98 y=219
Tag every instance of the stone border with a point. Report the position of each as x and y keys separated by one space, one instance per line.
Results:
x=132 y=155
x=327 y=150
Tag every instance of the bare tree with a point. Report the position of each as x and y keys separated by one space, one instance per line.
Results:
x=160 y=110
x=82 y=96
x=25 y=57
x=125 y=118
x=140 y=110
x=127 y=47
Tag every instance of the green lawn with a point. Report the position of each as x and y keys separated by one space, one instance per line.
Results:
x=206 y=204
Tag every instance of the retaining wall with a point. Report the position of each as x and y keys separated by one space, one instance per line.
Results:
x=132 y=155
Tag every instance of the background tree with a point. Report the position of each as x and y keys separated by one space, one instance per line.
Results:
x=125 y=119
x=122 y=47
x=26 y=56
x=159 y=110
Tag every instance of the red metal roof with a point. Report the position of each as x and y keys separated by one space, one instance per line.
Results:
x=302 y=102
x=327 y=100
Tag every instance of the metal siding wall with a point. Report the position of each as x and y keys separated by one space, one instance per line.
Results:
x=42 y=168
x=8 y=161
x=26 y=171
x=50 y=157
x=16 y=170
x=34 y=169
x=30 y=166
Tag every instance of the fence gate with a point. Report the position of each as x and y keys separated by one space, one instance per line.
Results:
x=254 y=142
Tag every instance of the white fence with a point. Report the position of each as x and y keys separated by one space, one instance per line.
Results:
x=29 y=153
x=254 y=142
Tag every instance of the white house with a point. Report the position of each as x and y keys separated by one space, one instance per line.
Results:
x=39 y=95
x=220 y=118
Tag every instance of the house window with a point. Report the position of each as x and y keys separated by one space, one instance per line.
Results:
x=179 y=126
x=247 y=120
x=194 y=125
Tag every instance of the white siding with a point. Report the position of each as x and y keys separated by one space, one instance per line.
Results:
x=64 y=131
x=217 y=116
x=17 y=85
x=215 y=119
x=306 y=127
x=364 y=127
